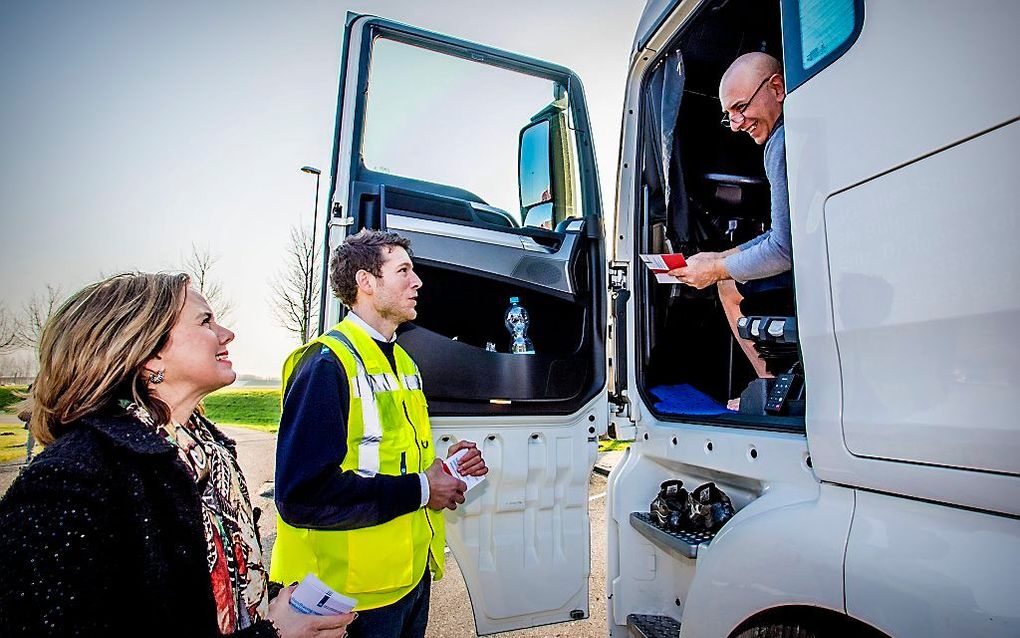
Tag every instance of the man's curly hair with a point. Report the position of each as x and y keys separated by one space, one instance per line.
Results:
x=363 y=251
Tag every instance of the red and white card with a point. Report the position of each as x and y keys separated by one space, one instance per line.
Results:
x=662 y=264
x=450 y=466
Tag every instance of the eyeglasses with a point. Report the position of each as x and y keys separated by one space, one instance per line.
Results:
x=739 y=116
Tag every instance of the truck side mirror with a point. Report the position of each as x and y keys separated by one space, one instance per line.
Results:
x=535 y=175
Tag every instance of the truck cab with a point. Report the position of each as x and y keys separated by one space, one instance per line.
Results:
x=875 y=480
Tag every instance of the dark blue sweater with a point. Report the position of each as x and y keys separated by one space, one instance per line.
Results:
x=311 y=490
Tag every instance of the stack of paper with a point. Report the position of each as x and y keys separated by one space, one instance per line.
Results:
x=312 y=596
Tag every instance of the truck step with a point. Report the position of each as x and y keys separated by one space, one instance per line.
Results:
x=686 y=543
x=646 y=626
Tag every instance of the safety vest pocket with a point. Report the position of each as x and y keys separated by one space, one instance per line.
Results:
x=381 y=557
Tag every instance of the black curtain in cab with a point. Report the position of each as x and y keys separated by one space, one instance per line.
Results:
x=663 y=177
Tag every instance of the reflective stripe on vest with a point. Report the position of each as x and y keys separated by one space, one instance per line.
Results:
x=365 y=387
x=388 y=433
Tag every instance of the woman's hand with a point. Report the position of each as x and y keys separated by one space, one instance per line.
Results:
x=291 y=623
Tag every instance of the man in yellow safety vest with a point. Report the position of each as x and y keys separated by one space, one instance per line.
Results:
x=359 y=490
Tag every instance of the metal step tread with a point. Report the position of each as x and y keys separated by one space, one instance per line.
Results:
x=647 y=626
x=686 y=543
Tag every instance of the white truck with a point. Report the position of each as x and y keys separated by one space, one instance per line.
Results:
x=877 y=490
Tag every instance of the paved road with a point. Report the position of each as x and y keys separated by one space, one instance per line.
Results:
x=450 y=615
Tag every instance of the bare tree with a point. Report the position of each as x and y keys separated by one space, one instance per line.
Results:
x=8 y=331
x=199 y=264
x=294 y=287
x=36 y=312
x=18 y=366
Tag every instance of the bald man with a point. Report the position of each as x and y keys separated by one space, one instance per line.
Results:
x=751 y=93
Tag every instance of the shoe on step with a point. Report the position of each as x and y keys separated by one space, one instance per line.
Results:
x=670 y=504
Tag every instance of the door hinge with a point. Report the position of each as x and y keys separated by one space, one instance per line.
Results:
x=617 y=277
x=338 y=216
x=619 y=295
x=622 y=431
x=620 y=405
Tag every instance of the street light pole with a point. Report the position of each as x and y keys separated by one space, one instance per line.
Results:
x=311 y=170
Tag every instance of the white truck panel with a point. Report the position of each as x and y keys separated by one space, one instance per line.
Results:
x=921 y=76
x=875 y=109
x=643 y=577
x=926 y=316
x=921 y=569
x=786 y=548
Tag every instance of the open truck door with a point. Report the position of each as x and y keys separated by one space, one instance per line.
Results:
x=484 y=160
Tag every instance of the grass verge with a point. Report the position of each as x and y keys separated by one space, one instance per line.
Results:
x=612 y=445
x=258 y=409
x=255 y=408
x=8 y=398
x=12 y=443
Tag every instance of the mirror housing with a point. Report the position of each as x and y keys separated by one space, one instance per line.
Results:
x=545 y=168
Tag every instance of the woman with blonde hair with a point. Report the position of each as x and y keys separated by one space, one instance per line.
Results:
x=135 y=519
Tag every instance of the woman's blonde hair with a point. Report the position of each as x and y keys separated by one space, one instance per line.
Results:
x=93 y=349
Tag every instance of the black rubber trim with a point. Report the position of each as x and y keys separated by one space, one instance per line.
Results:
x=620 y=299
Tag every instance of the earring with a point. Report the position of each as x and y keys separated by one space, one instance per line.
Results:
x=157 y=377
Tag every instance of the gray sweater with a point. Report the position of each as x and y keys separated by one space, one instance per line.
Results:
x=770 y=253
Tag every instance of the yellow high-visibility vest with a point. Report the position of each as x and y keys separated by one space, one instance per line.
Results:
x=387 y=433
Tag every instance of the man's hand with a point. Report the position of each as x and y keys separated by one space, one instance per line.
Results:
x=444 y=490
x=472 y=463
x=702 y=270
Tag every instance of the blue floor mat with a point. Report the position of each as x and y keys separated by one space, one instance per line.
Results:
x=685 y=399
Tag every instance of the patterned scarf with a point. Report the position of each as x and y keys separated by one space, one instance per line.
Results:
x=233 y=551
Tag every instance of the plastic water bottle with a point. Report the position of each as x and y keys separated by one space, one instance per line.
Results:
x=516 y=322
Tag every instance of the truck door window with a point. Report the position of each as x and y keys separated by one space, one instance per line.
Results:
x=815 y=33
x=441 y=119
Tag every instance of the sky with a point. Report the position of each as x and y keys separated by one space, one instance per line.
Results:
x=450 y=121
x=131 y=131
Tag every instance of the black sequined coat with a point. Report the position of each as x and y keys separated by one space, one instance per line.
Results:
x=101 y=535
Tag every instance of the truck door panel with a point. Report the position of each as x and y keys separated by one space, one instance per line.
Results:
x=429 y=145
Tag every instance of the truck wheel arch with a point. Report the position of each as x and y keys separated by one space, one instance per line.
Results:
x=803 y=621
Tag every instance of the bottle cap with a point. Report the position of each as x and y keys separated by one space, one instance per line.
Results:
x=514 y=300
